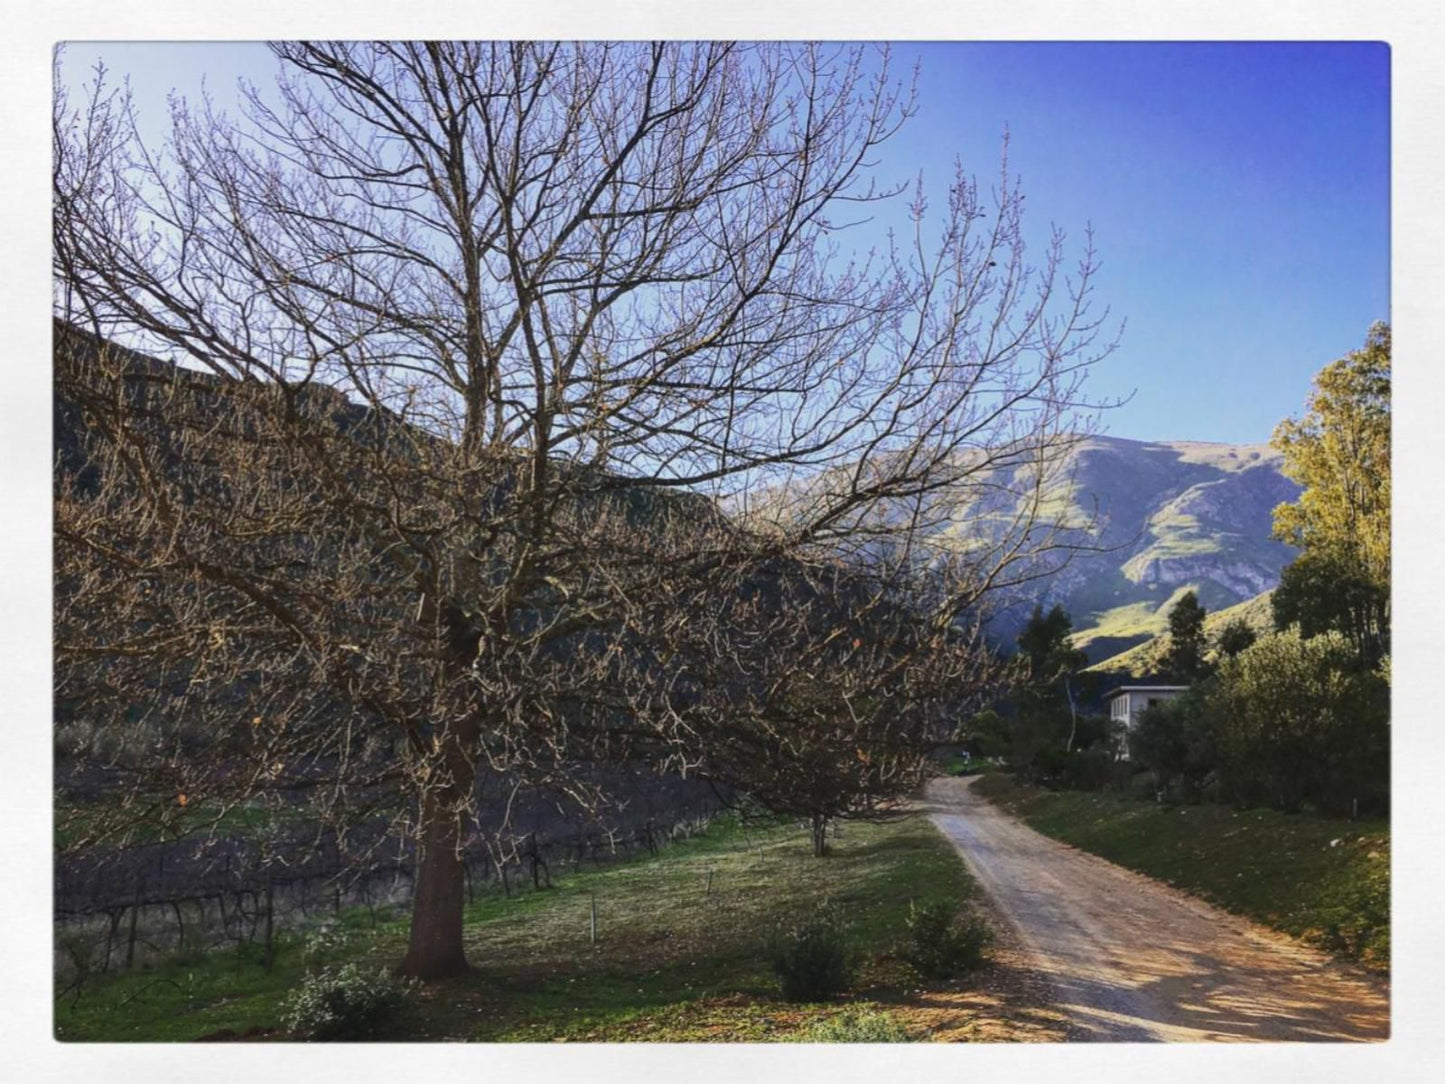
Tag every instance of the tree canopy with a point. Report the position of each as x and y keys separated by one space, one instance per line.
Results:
x=1185 y=658
x=1044 y=695
x=1236 y=635
x=1298 y=721
x=504 y=373
x=1339 y=451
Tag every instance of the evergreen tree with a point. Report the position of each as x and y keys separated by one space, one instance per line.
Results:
x=1052 y=660
x=1044 y=642
x=1185 y=658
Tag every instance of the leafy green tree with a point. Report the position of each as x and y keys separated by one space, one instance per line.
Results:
x=985 y=735
x=1323 y=591
x=1340 y=453
x=1299 y=722
x=1177 y=740
x=1234 y=637
x=1047 y=697
x=1044 y=643
x=1185 y=657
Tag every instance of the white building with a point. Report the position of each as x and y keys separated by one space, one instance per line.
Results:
x=1129 y=700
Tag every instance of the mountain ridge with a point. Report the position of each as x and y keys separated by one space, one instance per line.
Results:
x=1165 y=517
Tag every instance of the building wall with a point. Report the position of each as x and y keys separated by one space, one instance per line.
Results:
x=1125 y=707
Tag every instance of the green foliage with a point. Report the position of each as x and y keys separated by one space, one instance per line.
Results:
x=1234 y=636
x=1324 y=591
x=1099 y=767
x=324 y=944
x=1340 y=453
x=1185 y=657
x=1094 y=768
x=1300 y=721
x=857 y=1025
x=1289 y=721
x=814 y=960
x=1353 y=918
x=1044 y=645
x=985 y=735
x=1045 y=720
x=1094 y=731
x=942 y=942
x=1177 y=740
x=249 y=953
x=342 y=1004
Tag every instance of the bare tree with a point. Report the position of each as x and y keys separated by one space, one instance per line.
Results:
x=505 y=367
x=822 y=690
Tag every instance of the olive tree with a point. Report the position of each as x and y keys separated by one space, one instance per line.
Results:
x=494 y=363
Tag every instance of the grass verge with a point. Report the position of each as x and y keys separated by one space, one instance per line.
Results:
x=678 y=956
x=1325 y=881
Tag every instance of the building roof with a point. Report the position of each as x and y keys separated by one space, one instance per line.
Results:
x=1149 y=689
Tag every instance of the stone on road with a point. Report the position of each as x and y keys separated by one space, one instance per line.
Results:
x=1131 y=959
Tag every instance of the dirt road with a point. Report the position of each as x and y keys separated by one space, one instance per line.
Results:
x=1131 y=959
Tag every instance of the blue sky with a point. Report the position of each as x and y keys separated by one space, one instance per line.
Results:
x=1239 y=195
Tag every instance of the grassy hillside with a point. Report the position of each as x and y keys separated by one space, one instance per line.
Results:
x=1146 y=658
x=679 y=957
x=1164 y=517
x=1325 y=881
x=1133 y=624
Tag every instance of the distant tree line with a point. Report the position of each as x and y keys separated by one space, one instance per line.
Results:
x=1300 y=718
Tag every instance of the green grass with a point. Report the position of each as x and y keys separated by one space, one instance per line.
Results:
x=1131 y=619
x=1129 y=623
x=958 y=765
x=1323 y=880
x=673 y=961
x=1148 y=657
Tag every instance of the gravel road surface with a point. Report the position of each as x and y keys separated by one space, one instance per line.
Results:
x=1131 y=959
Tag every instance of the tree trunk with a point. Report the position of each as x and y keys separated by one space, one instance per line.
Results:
x=270 y=957
x=820 y=835
x=115 y=917
x=435 y=950
x=1073 y=715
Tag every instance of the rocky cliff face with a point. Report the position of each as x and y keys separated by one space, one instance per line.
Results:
x=1168 y=517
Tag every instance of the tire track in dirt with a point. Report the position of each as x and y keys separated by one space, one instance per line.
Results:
x=1131 y=959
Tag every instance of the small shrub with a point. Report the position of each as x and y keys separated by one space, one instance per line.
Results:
x=856 y=1025
x=814 y=960
x=342 y=1003
x=323 y=944
x=941 y=942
